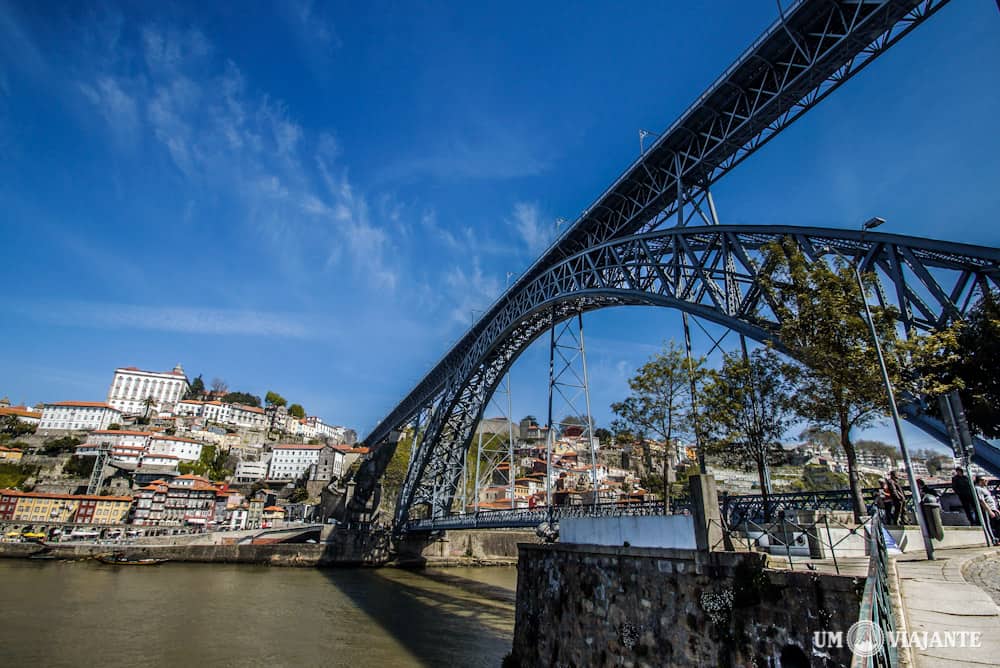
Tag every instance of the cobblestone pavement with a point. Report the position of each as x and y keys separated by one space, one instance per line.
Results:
x=985 y=574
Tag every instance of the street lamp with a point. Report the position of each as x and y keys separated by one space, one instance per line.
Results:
x=870 y=224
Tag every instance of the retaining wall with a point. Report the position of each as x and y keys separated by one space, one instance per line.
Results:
x=585 y=605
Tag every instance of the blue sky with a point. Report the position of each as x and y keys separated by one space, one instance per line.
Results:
x=313 y=197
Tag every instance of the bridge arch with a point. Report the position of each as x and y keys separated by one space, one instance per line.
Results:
x=711 y=272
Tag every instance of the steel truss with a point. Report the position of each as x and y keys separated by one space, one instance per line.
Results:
x=815 y=47
x=711 y=272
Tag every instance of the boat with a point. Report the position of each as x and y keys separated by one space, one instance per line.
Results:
x=119 y=559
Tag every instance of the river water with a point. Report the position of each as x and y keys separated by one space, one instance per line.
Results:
x=192 y=615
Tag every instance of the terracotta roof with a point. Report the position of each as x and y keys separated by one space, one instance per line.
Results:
x=274 y=509
x=10 y=449
x=22 y=411
x=190 y=401
x=159 y=456
x=244 y=407
x=83 y=404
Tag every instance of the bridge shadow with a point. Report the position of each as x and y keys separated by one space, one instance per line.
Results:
x=439 y=618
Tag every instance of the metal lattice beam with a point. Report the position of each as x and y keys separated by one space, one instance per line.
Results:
x=814 y=47
x=712 y=272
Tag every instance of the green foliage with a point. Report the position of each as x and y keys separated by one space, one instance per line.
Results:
x=395 y=472
x=244 y=398
x=878 y=448
x=79 y=467
x=604 y=436
x=296 y=410
x=274 y=399
x=660 y=402
x=13 y=476
x=12 y=427
x=55 y=446
x=211 y=464
x=823 y=326
x=572 y=421
x=964 y=356
x=747 y=407
x=298 y=495
x=197 y=389
x=114 y=426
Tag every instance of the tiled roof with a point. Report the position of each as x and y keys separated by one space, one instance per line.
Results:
x=82 y=404
x=21 y=411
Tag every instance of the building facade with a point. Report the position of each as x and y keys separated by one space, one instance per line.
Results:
x=134 y=391
x=71 y=508
x=78 y=416
x=290 y=461
x=22 y=413
x=184 y=449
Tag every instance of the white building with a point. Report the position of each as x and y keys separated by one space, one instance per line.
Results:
x=237 y=415
x=22 y=413
x=290 y=461
x=78 y=415
x=119 y=438
x=131 y=388
x=183 y=448
x=251 y=471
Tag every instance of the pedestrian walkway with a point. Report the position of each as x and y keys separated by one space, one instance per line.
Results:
x=937 y=598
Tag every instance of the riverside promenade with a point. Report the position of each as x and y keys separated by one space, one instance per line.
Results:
x=950 y=594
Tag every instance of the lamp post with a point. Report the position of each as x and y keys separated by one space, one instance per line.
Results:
x=869 y=224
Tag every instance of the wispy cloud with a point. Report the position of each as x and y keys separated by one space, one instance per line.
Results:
x=536 y=233
x=470 y=291
x=223 y=136
x=180 y=319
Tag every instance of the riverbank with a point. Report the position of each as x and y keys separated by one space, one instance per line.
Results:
x=344 y=551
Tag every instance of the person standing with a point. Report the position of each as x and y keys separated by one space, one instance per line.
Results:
x=963 y=490
x=898 y=500
x=988 y=506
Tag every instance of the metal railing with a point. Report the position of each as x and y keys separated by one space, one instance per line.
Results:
x=533 y=517
x=876 y=621
x=750 y=507
x=808 y=542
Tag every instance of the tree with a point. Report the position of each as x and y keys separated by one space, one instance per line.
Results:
x=79 y=467
x=604 y=436
x=196 y=390
x=747 y=408
x=12 y=427
x=838 y=382
x=219 y=386
x=963 y=357
x=244 y=398
x=298 y=495
x=572 y=421
x=274 y=399
x=296 y=410
x=660 y=403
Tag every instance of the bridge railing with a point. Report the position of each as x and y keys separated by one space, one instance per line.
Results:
x=532 y=517
x=876 y=618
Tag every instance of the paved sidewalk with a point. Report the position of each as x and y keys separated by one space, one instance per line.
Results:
x=936 y=597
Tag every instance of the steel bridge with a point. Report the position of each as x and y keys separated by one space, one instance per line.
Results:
x=652 y=238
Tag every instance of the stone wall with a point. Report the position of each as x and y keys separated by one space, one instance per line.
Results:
x=478 y=544
x=584 y=605
x=342 y=549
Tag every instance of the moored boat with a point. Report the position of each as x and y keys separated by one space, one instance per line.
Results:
x=122 y=560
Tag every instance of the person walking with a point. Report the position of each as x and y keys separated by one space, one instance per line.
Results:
x=963 y=490
x=988 y=506
x=898 y=503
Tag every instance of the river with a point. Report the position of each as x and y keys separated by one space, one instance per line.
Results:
x=188 y=615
